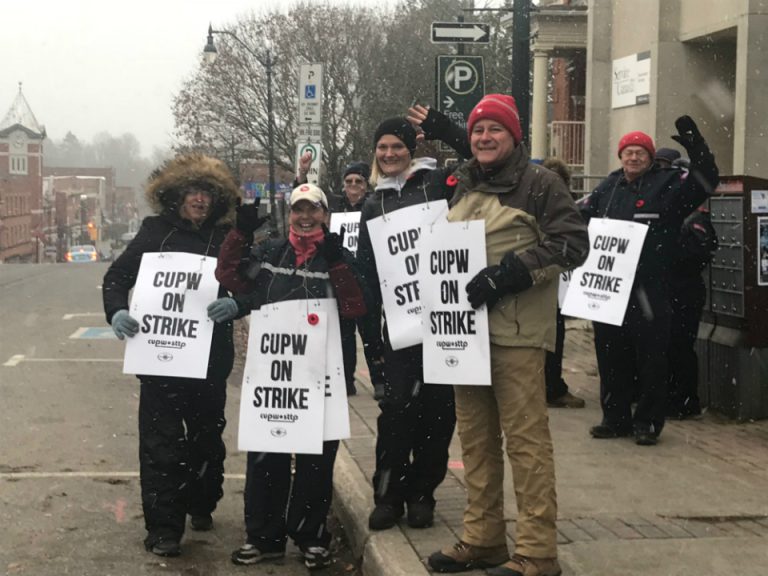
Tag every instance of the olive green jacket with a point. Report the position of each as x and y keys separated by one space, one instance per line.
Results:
x=527 y=210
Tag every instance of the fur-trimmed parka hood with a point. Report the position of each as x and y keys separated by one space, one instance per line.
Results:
x=165 y=188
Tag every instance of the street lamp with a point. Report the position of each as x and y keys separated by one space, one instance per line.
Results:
x=268 y=60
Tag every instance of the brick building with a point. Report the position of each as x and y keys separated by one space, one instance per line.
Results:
x=21 y=184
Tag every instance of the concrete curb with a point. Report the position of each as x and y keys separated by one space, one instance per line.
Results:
x=386 y=553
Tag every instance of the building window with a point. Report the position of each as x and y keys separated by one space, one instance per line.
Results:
x=18 y=165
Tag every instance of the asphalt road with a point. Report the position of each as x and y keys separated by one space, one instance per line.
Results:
x=69 y=488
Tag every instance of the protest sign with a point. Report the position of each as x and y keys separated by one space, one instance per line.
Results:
x=456 y=344
x=395 y=241
x=350 y=222
x=282 y=401
x=336 y=419
x=562 y=286
x=600 y=289
x=172 y=292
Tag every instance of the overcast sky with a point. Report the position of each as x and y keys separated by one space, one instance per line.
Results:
x=108 y=65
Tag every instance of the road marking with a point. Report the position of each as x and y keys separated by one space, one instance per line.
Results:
x=92 y=333
x=14 y=360
x=74 y=315
x=47 y=475
x=18 y=358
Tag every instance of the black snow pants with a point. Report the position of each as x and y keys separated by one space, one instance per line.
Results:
x=414 y=431
x=276 y=508
x=181 y=451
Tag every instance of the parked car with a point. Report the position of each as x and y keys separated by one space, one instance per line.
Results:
x=84 y=253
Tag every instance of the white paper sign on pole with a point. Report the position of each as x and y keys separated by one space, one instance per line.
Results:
x=600 y=289
x=172 y=292
x=456 y=343
x=395 y=241
x=282 y=402
x=350 y=221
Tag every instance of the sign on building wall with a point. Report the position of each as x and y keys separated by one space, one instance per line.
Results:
x=631 y=83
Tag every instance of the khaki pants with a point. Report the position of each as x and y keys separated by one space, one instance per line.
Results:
x=515 y=405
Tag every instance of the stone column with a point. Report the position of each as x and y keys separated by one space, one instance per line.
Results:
x=539 y=109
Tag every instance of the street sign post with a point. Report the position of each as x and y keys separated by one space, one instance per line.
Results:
x=460 y=32
x=309 y=132
x=460 y=86
x=310 y=93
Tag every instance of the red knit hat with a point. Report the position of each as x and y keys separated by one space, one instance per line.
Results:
x=502 y=109
x=637 y=138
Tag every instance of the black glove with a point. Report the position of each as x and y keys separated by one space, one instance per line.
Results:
x=689 y=137
x=247 y=217
x=436 y=125
x=332 y=246
x=494 y=282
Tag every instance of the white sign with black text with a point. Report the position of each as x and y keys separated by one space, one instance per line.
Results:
x=395 y=241
x=169 y=301
x=336 y=417
x=600 y=289
x=456 y=343
x=562 y=286
x=631 y=80
x=350 y=222
x=310 y=94
x=282 y=401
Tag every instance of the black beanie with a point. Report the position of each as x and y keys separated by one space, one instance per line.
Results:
x=360 y=168
x=399 y=127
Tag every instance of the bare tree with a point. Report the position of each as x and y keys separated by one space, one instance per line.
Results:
x=376 y=63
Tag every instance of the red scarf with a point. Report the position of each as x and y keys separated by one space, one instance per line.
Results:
x=305 y=245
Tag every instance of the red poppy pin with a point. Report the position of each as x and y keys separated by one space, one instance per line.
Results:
x=640 y=203
x=451 y=180
x=313 y=319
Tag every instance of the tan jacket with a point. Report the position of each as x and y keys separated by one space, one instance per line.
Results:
x=528 y=210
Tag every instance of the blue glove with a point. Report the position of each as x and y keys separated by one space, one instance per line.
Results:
x=124 y=325
x=222 y=309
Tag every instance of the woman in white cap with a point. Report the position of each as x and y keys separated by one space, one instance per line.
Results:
x=311 y=263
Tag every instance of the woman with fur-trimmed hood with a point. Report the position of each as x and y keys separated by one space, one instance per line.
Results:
x=181 y=420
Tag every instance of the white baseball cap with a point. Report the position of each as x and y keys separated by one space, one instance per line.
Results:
x=310 y=193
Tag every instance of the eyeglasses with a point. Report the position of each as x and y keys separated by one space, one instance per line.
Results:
x=354 y=181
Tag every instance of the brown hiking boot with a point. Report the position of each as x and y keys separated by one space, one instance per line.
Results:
x=567 y=400
x=524 y=566
x=462 y=556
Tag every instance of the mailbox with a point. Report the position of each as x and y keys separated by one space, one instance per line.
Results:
x=733 y=334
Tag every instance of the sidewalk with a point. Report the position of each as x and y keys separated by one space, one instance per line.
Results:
x=697 y=503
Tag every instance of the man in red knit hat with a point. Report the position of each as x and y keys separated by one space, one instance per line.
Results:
x=632 y=358
x=532 y=227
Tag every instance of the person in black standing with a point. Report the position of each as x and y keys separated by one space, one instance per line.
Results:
x=693 y=253
x=354 y=192
x=181 y=420
x=417 y=419
x=632 y=358
x=558 y=395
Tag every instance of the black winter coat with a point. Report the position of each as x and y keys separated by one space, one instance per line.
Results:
x=167 y=232
x=660 y=198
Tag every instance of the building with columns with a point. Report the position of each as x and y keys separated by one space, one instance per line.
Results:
x=21 y=183
x=625 y=65
x=558 y=47
x=652 y=61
